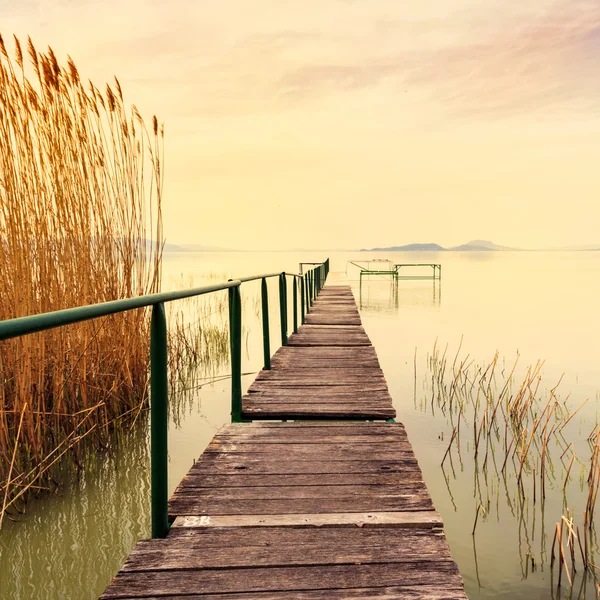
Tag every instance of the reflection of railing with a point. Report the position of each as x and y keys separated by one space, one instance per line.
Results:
x=311 y=283
x=372 y=297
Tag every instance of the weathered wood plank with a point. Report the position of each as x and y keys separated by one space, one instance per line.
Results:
x=340 y=376
x=369 y=448
x=417 y=519
x=297 y=389
x=331 y=320
x=322 y=432
x=321 y=546
x=237 y=537
x=241 y=479
x=421 y=592
x=342 y=353
x=290 y=411
x=281 y=578
x=305 y=491
x=235 y=463
x=362 y=428
x=341 y=342
x=184 y=504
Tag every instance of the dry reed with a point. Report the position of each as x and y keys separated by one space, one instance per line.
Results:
x=81 y=182
x=511 y=427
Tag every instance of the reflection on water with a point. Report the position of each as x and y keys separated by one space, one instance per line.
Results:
x=70 y=541
x=542 y=306
x=388 y=295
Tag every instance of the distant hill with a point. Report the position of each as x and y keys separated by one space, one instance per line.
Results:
x=408 y=248
x=481 y=245
x=472 y=246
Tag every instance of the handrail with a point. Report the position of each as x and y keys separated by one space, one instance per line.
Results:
x=311 y=283
x=51 y=320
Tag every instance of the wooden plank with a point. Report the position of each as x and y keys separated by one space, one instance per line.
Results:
x=301 y=452
x=332 y=353
x=309 y=438
x=329 y=353
x=295 y=411
x=341 y=341
x=370 y=448
x=417 y=519
x=295 y=436
x=206 y=581
x=324 y=363
x=421 y=592
x=340 y=376
x=331 y=320
x=237 y=537
x=200 y=479
x=362 y=428
x=304 y=547
x=298 y=387
x=319 y=432
x=313 y=401
x=234 y=463
x=304 y=491
x=330 y=329
x=191 y=504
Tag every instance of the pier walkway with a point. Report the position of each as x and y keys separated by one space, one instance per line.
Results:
x=326 y=506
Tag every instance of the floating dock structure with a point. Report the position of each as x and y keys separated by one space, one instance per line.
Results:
x=393 y=269
x=328 y=503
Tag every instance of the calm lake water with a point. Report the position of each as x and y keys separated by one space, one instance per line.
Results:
x=539 y=306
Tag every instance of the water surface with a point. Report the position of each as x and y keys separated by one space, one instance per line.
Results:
x=539 y=305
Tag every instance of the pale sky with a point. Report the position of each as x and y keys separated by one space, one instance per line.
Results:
x=353 y=123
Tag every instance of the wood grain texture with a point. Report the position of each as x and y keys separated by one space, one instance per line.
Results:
x=423 y=592
x=297 y=578
x=329 y=370
x=395 y=520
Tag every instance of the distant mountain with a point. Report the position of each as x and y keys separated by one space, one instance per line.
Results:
x=408 y=248
x=481 y=245
x=472 y=246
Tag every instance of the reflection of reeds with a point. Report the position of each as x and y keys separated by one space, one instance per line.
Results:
x=80 y=191
x=514 y=431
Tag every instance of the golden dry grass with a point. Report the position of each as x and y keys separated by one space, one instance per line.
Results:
x=80 y=193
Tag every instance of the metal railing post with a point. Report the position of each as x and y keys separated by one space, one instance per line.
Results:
x=159 y=390
x=235 y=345
x=295 y=304
x=283 y=309
x=265 y=324
x=303 y=301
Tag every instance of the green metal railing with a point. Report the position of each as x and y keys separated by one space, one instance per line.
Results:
x=310 y=283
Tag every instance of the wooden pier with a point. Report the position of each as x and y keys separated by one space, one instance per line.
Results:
x=332 y=506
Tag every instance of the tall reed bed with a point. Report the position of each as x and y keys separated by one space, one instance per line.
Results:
x=81 y=182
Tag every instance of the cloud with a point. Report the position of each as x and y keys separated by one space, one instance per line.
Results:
x=539 y=61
